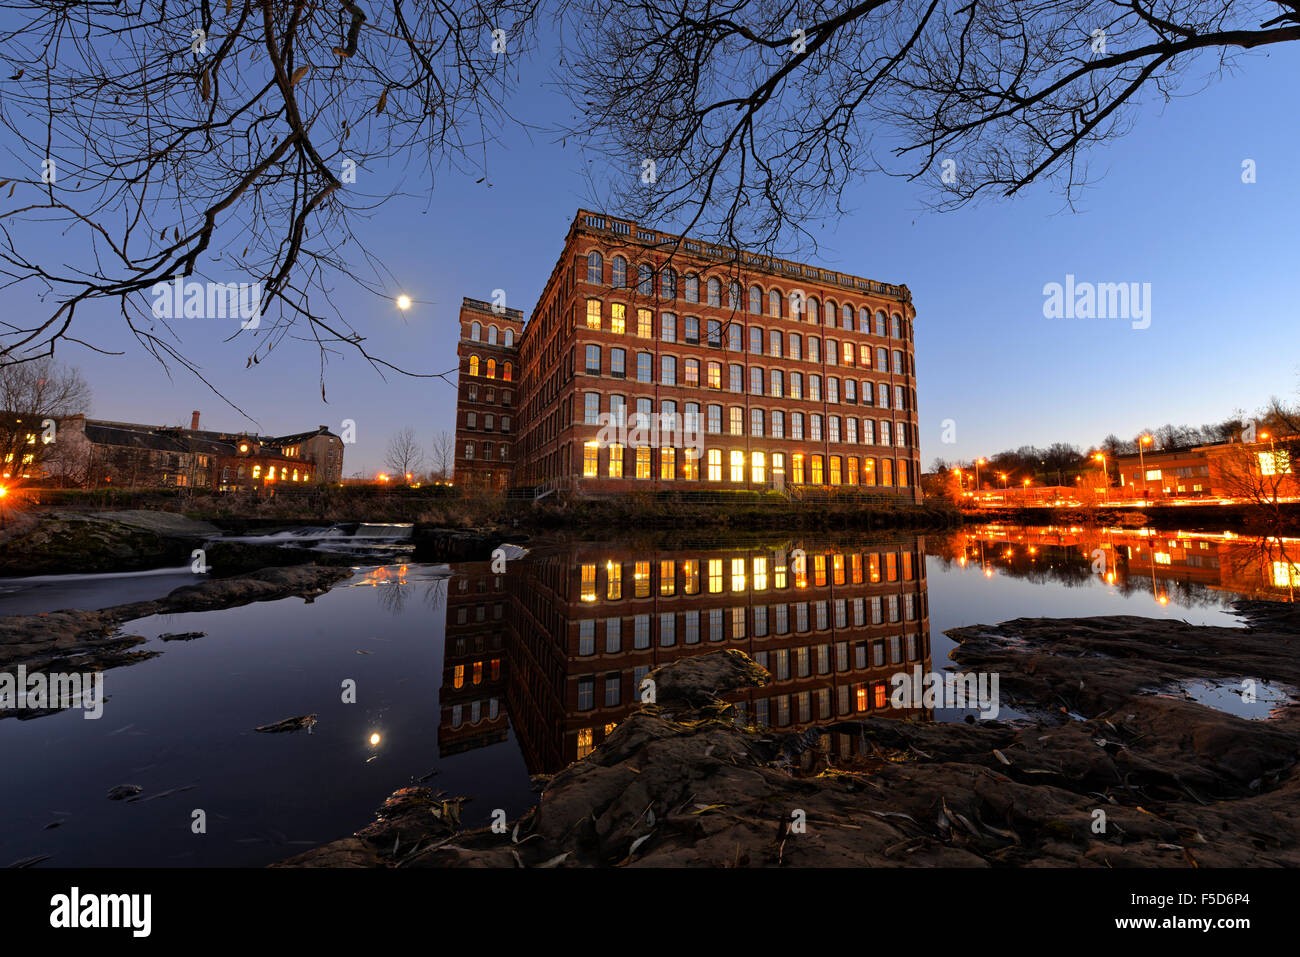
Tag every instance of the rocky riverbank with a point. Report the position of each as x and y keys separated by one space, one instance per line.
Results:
x=73 y=640
x=1114 y=767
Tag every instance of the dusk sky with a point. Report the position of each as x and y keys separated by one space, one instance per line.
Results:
x=1169 y=209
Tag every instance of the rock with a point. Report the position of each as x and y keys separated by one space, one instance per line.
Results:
x=63 y=543
x=85 y=640
x=123 y=791
x=680 y=784
x=300 y=723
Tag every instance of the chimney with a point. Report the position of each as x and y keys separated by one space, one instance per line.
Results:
x=194 y=421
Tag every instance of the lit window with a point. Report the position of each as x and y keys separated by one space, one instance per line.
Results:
x=590 y=459
x=715 y=575
x=715 y=465
x=1272 y=463
x=668 y=464
x=737 y=466
x=593 y=313
x=617 y=318
x=758 y=467
x=667 y=577
x=616 y=461
x=613 y=580
x=588 y=583
x=641 y=580
x=737 y=574
x=643 y=462
x=690 y=577
x=760 y=574
x=645 y=324
x=691 y=465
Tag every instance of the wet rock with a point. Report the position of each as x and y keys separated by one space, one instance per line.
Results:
x=1137 y=781
x=61 y=543
x=88 y=640
x=183 y=636
x=123 y=791
x=304 y=722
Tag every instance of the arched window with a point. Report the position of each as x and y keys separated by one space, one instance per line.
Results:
x=645 y=283
x=492 y=335
x=733 y=295
x=620 y=272
x=846 y=316
x=774 y=303
x=510 y=337
x=668 y=284
x=492 y=368
x=475 y=331
x=897 y=330
x=881 y=329
x=473 y=365
x=755 y=300
x=507 y=372
x=715 y=292
x=813 y=317
x=692 y=287
x=864 y=319
x=595 y=267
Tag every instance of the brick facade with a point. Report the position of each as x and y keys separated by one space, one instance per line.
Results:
x=788 y=374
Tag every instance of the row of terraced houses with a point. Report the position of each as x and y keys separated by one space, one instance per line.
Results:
x=654 y=361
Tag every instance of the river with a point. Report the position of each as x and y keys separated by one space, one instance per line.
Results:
x=471 y=678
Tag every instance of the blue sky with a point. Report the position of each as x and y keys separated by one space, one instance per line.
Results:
x=1169 y=209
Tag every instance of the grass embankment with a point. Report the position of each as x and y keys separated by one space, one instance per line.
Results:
x=448 y=507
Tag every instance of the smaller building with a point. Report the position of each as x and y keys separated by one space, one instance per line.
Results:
x=95 y=453
x=1253 y=471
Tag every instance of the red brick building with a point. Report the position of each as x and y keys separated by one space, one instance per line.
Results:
x=485 y=403
x=654 y=361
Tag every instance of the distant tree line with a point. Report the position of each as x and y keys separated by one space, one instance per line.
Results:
x=1061 y=463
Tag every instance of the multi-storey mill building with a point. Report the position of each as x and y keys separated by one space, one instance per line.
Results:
x=789 y=375
x=580 y=626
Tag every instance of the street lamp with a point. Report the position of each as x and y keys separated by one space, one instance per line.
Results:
x=1143 y=441
x=1003 y=477
x=978 y=463
x=1105 y=476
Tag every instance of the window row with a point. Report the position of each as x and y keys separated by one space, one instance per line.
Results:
x=734 y=466
x=796 y=304
x=690 y=576
x=486 y=450
x=736 y=377
x=489 y=395
x=737 y=337
x=489 y=422
x=613 y=636
x=668 y=428
x=476 y=334
x=489 y=369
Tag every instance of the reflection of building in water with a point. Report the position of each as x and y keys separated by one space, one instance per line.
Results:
x=473 y=679
x=591 y=621
x=1267 y=567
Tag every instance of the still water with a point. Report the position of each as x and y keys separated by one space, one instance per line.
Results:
x=470 y=681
